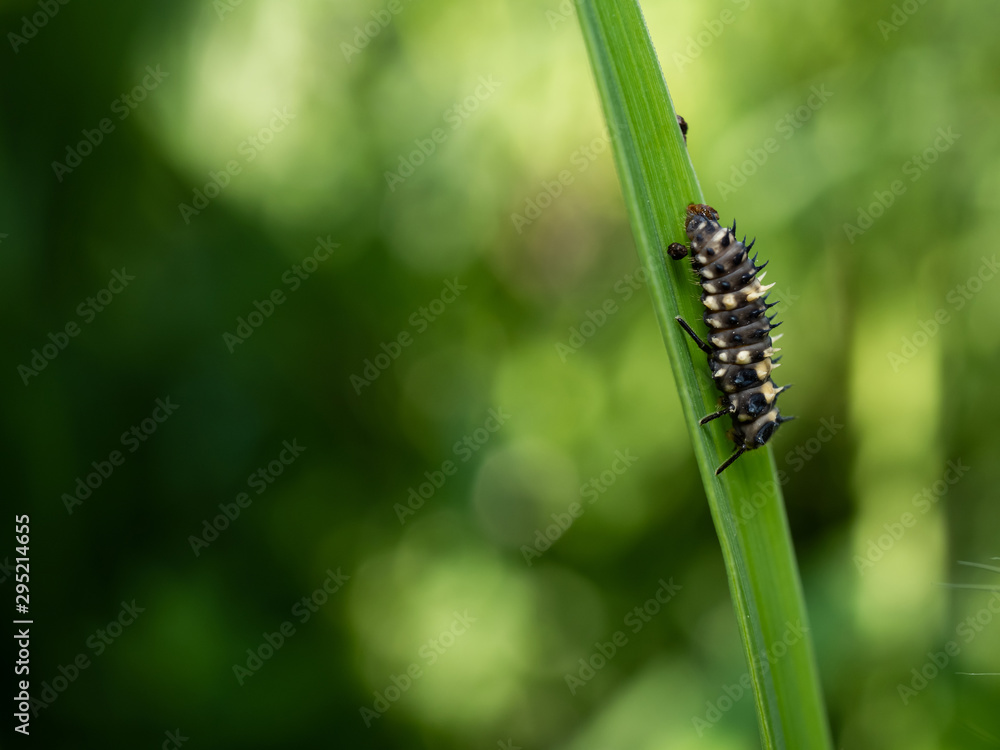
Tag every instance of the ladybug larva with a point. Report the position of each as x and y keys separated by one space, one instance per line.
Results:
x=739 y=346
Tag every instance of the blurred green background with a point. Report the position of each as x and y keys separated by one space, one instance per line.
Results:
x=391 y=234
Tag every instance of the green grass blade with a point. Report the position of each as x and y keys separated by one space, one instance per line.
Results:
x=658 y=181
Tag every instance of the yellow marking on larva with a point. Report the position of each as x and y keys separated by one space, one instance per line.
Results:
x=758 y=293
x=719 y=373
x=729 y=301
x=715 y=323
x=743 y=357
x=717 y=237
x=761 y=369
x=711 y=303
x=718 y=341
x=710 y=288
x=761 y=277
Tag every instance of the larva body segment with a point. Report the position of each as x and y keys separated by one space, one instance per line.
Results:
x=740 y=347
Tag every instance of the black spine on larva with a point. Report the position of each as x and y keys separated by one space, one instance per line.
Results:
x=738 y=330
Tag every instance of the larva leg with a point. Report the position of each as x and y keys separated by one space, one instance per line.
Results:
x=716 y=415
x=701 y=344
x=728 y=462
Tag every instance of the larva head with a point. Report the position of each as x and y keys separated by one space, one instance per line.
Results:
x=701 y=209
x=699 y=217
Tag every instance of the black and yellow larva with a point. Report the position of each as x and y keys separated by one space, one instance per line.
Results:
x=740 y=345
